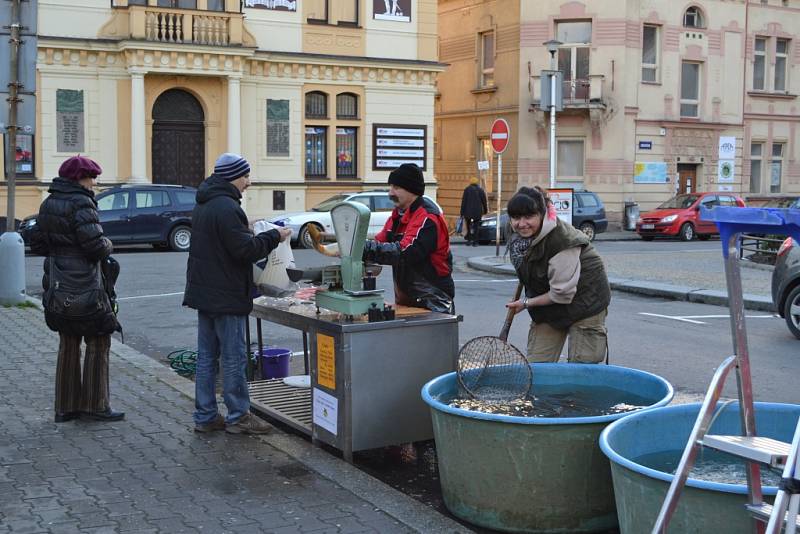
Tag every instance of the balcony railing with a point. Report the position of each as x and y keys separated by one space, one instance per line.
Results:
x=583 y=93
x=166 y=25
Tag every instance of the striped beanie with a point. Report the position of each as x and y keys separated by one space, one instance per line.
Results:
x=231 y=166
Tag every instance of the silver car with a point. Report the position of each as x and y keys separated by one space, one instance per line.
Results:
x=786 y=285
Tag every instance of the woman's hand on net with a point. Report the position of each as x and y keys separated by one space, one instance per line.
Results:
x=516 y=305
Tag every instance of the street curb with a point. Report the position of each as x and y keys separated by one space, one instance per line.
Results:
x=650 y=289
x=409 y=512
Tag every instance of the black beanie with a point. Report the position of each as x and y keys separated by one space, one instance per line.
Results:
x=409 y=177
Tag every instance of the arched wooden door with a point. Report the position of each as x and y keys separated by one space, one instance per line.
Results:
x=178 y=148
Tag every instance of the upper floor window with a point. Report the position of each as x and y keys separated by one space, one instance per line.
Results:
x=316 y=105
x=693 y=18
x=348 y=16
x=759 y=63
x=487 y=59
x=346 y=106
x=181 y=4
x=216 y=5
x=569 y=162
x=650 y=53
x=574 y=32
x=690 y=89
x=573 y=57
x=756 y=153
x=776 y=168
x=317 y=11
x=781 y=56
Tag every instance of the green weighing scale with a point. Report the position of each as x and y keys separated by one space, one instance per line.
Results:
x=350 y=223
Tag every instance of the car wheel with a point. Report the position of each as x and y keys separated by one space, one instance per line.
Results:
x=646 y=237
x=304 y=237
x=588 y=229
x=791 y=311
x=686 y=232
x=180 y=238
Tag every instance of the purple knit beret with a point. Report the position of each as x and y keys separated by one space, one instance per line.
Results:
x=78 y=167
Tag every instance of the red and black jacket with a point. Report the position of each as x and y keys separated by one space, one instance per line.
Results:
x=417 y=246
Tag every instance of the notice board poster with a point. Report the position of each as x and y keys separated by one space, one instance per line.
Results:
x=395 y=144
x=562 y=201
x=69 y=120
x=326 y=411
x=326 y=362
x=278 y=128
x=393 y=10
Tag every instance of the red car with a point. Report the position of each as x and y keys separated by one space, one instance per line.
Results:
x=680 y=216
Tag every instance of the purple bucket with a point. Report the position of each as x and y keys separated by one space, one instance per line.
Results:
x=275 y=363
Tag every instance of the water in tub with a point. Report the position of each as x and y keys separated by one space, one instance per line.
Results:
x=711 y=466
x=559 y=401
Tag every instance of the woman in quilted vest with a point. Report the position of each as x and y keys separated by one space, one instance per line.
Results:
x=68 y=232
x=566 y=286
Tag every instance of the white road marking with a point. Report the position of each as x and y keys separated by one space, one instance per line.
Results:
x=151 y=296
x=691 y=318
x=501 y=280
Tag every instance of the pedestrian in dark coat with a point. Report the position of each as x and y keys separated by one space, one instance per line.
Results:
x=68 y=232
x=219 y=285
x=473 y=207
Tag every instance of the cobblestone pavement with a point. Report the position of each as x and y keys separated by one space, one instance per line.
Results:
x=149 y=473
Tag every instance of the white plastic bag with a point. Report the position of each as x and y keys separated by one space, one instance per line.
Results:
x=270 y=274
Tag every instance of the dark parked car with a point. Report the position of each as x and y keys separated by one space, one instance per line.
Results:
x=588 y=216
x=160 y=215
x=786 y=285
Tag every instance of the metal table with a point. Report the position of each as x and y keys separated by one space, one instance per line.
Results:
x=365 y=377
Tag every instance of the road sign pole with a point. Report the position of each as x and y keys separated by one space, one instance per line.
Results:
x=499 y=194
x=12 y=249
x=552 y=131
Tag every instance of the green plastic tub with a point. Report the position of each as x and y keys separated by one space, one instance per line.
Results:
x=532 y=474
x=703 y=506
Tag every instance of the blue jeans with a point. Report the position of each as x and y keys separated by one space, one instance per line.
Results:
x=220 y=335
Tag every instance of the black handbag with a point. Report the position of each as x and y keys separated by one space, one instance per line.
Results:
x=76 y=298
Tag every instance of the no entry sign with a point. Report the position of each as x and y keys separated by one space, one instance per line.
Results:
x=500 y=136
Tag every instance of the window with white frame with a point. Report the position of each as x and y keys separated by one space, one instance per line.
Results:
x=781 y=56
x=690 y=89
x=569 y=162
x=573 y=57
x=776 y=168
x=756 y=165
x=693 y=18
x=650 y=53
x=760 y=64
x=487 y=59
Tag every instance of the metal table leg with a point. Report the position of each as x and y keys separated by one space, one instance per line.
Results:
x=305 y=350
x=260 y=340
x=249 y=358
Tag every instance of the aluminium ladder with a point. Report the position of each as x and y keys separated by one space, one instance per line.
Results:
x=769 y=519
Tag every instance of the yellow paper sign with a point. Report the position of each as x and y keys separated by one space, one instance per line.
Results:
x=326 y=362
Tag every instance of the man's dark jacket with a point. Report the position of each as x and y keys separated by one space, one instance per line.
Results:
x=473 y=202
x=219 y=273
x=68 y=232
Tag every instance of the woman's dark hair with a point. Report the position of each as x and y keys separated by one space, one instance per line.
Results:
x=527 y=201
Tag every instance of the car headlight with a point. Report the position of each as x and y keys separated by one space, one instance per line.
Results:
x=639 y=220
x=668 y=219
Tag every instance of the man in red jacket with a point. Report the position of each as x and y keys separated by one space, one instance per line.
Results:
x=416 y=243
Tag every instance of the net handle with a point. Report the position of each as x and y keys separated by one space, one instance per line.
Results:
x=510 y=315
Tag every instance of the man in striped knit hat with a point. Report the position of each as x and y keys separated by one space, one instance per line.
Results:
x=219 y=285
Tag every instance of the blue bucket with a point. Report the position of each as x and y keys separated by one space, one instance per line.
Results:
x=275 y=363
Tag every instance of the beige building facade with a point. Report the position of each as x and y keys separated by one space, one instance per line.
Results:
x=659 y=96
x=321 y=96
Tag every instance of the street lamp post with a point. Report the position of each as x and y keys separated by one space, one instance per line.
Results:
x=552 y=47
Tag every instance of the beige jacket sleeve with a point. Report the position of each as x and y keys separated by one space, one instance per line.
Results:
x=564 y=270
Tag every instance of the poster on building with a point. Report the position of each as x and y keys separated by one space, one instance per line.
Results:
x=727 y=147
x=394 y=10
x=650 y=172
x=725 y=170
x=277 y=128
x=69 y=120
x=395 y=144
x=562 y=201
x=275 y=5
x=23 y=154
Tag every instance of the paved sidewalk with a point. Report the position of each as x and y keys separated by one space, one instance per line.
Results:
x=151 y=473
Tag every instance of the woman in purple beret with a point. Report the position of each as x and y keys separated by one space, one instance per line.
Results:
x=76 y=301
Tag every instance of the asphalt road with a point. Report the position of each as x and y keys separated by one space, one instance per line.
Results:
x=681 y=341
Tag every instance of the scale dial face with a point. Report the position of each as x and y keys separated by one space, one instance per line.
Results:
x=345 y=223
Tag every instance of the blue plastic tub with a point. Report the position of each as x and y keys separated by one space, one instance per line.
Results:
x=704 y=506
x=533 y=474
x=275 y=363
